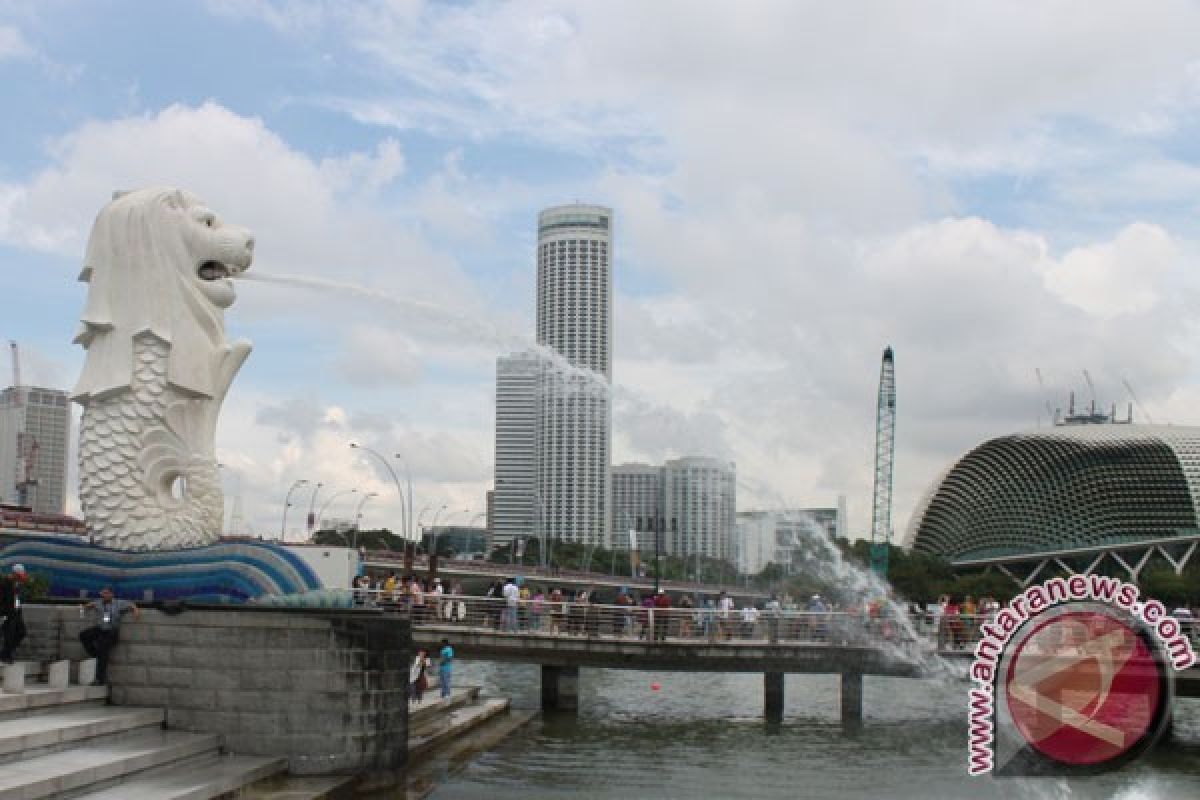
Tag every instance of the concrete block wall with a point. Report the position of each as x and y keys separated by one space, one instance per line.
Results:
x=328 y=690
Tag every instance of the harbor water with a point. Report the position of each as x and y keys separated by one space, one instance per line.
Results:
x=702 y=735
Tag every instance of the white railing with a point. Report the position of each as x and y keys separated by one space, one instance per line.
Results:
x=570 y=617
x=576 y=618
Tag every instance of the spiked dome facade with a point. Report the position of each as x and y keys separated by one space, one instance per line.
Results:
x=1071 y=486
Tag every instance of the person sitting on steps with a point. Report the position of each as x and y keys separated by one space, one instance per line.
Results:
x=12 y=623
x=102 y=637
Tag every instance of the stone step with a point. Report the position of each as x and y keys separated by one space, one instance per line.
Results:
x=99 y=761
x=40 y=696
x=301 y=787
x=433 y=707
x=197 y=780
x=454 y=723
x=20 y=737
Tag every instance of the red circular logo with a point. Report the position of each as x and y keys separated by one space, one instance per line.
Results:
x=1084 y=688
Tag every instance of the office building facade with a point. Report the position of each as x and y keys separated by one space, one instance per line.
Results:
x=699 y=507
x=513 y=504
x=35 y=431
x=636 y=506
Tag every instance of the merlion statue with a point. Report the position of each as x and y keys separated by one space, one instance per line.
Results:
x=159 y=268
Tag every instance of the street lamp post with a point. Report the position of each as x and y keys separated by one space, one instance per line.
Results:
x=312 y=503
x=541 y=529
x=395 y=480
x=433 y=549
x=287 y=503
x=408 y=531
x=326 y=504
x=658 y=531
x=358 y=515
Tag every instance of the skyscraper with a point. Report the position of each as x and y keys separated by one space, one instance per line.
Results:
x=636 y=505
x=574 y=318
x=699 y=507
x=35 y=426
x=513 y=503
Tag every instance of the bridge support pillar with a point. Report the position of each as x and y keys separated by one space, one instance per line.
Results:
x=773 y=696
x=560 y=688
x=852 y=690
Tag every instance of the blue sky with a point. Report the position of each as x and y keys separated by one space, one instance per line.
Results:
x=990 y=189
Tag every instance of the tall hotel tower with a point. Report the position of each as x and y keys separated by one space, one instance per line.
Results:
x=553 y=425
x=574 y=317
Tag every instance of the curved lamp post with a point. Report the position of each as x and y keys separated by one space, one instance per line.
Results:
x=408 y=519
x=325 y=505
x=358 y=515
x=433 y=527
x=395 y=479
x=287 y=503
x=312 y=503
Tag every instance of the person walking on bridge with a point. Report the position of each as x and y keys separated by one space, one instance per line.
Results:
x=662 y=610
x=512 y=598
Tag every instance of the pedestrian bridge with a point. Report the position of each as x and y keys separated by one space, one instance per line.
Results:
x=564 y=637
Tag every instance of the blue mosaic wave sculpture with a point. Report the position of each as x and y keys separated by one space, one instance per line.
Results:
x=226 y=572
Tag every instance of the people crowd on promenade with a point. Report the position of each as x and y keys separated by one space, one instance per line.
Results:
x=519 y=605
x=524 y=605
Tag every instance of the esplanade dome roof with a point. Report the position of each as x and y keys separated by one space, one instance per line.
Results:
x=1062 y=487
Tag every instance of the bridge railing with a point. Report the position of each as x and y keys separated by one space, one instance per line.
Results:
x=570 y=617
x=574 y=617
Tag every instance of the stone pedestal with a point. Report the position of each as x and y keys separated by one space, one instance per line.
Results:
x=852 y=690
x=328 y=690
x=14 y=678
x=773 y=696
x=87 y=672
x=560 y=688
x=58 y=674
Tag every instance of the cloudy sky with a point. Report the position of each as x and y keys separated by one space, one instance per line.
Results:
x=991 y=188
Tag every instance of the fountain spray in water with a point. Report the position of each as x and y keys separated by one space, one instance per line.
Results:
x=859 y=585
x=570 y=378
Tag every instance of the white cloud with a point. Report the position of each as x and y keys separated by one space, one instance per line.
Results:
x=13 y=45
x=1118 y=277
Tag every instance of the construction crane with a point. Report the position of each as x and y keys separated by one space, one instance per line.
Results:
x=27 y=457
x=1134 y=397
x=1050 y=415
x=1091 y=388
x=885 y=450
x=25 y=475
x=16 y=372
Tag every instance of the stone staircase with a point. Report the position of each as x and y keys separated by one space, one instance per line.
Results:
x=437 y=720
x=65 y=741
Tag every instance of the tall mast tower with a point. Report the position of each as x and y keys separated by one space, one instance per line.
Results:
x=885 y=450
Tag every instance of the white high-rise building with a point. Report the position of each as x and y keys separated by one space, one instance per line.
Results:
x=636 y=506
x=35 y=429
x=513 y=503
x=574 y=318
x=699 y=507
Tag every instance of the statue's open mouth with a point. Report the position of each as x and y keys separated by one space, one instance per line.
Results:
x=213 y=271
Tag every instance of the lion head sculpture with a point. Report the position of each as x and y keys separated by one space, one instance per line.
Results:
x=159 y=261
